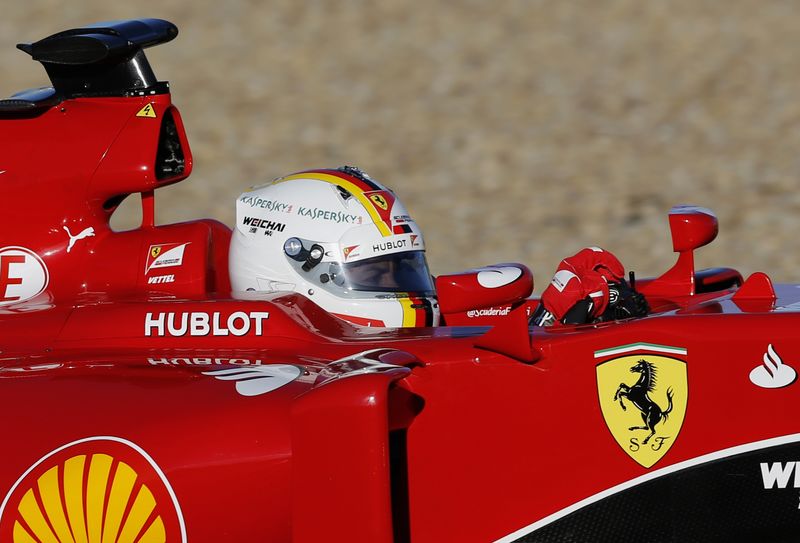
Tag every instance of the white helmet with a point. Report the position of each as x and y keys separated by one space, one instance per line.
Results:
x=339 y=238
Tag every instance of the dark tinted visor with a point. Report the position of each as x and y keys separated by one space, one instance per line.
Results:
x=397 y=272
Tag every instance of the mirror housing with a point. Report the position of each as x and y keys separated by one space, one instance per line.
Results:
x=691 y=227
x=490 y=291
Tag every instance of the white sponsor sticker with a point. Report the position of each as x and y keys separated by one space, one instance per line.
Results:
x=203 y=361
x=257 y=380
x=23 y=275
x=200 y=323
x=165 y=256
x=778 y=474
x=498 y=277
x=85 y=233
x=160 y=279
x=561 y=278
x=488 y=312
x=773 y=373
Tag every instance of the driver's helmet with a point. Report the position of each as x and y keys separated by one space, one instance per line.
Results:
x=339 y=238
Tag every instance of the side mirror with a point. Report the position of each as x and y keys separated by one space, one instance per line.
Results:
x=488 y=291
x=691 y=227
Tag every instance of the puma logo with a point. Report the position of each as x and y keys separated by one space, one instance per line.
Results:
x=85 y=233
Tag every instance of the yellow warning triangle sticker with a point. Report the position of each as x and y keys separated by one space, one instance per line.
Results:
x=147 y=111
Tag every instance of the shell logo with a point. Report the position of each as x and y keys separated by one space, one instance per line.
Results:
x=95 y=490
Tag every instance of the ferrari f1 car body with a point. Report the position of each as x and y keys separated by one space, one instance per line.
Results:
x=141 y=402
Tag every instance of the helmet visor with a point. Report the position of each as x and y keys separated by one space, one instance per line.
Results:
x=396 y=272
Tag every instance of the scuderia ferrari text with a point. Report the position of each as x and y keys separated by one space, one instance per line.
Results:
x=200 y=323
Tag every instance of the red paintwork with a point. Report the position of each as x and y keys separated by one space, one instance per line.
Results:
x=691 y=229
x=98 y=149
x=465 y=435
x=461 y=292
x=757 y=287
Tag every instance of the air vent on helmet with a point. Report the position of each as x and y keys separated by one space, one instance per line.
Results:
x=170 y=161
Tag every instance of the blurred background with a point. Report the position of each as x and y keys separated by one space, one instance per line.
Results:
x=512 y=130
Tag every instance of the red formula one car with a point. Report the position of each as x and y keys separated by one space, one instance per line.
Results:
x=143 y=409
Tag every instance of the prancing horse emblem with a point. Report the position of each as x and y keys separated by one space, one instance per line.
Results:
x=639 y=396
x=659 y=396
x=380 y=201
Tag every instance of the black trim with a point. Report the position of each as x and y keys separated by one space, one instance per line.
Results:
x=398 y=466
x=103 y=59
x=720 y=501
x=427 y=307
x=30 y=102
x=170 y=160
x=716 y=279
x=353 y=171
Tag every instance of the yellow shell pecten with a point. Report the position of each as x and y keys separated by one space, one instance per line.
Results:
x=85 y=501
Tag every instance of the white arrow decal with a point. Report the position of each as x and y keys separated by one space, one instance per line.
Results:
x=257 y=380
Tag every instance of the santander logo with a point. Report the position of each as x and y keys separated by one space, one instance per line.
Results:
x=773 y=373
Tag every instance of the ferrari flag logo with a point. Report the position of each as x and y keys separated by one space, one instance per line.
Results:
x=643 y=397
x=165 y=255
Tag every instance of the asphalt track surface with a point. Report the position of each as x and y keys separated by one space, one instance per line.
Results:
x=513 y=130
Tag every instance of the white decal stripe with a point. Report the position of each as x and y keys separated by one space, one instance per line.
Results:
x=498 y=277
x=130 y=444
x=234 y=372
x=724 y=453
x=639 y=347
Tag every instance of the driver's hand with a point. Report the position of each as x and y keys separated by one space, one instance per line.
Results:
x=625 y=302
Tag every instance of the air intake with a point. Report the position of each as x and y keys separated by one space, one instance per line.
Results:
x=170 y=160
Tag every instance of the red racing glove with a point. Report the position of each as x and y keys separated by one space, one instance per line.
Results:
x=583 y=277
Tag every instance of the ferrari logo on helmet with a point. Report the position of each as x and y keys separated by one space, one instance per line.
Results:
x=155 y=251
x=147 y=111
x=347 y=251
x=379 y=201
x=643 y=397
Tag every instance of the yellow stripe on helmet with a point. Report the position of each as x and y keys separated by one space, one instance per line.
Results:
x=409 y=313
x=352 y=188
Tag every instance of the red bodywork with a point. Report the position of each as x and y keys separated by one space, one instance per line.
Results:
x=167 y=410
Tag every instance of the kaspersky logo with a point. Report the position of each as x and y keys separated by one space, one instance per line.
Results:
x=642 y=389
x=90 y=491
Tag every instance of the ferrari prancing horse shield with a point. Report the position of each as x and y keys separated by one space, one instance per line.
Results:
x=643 y=398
